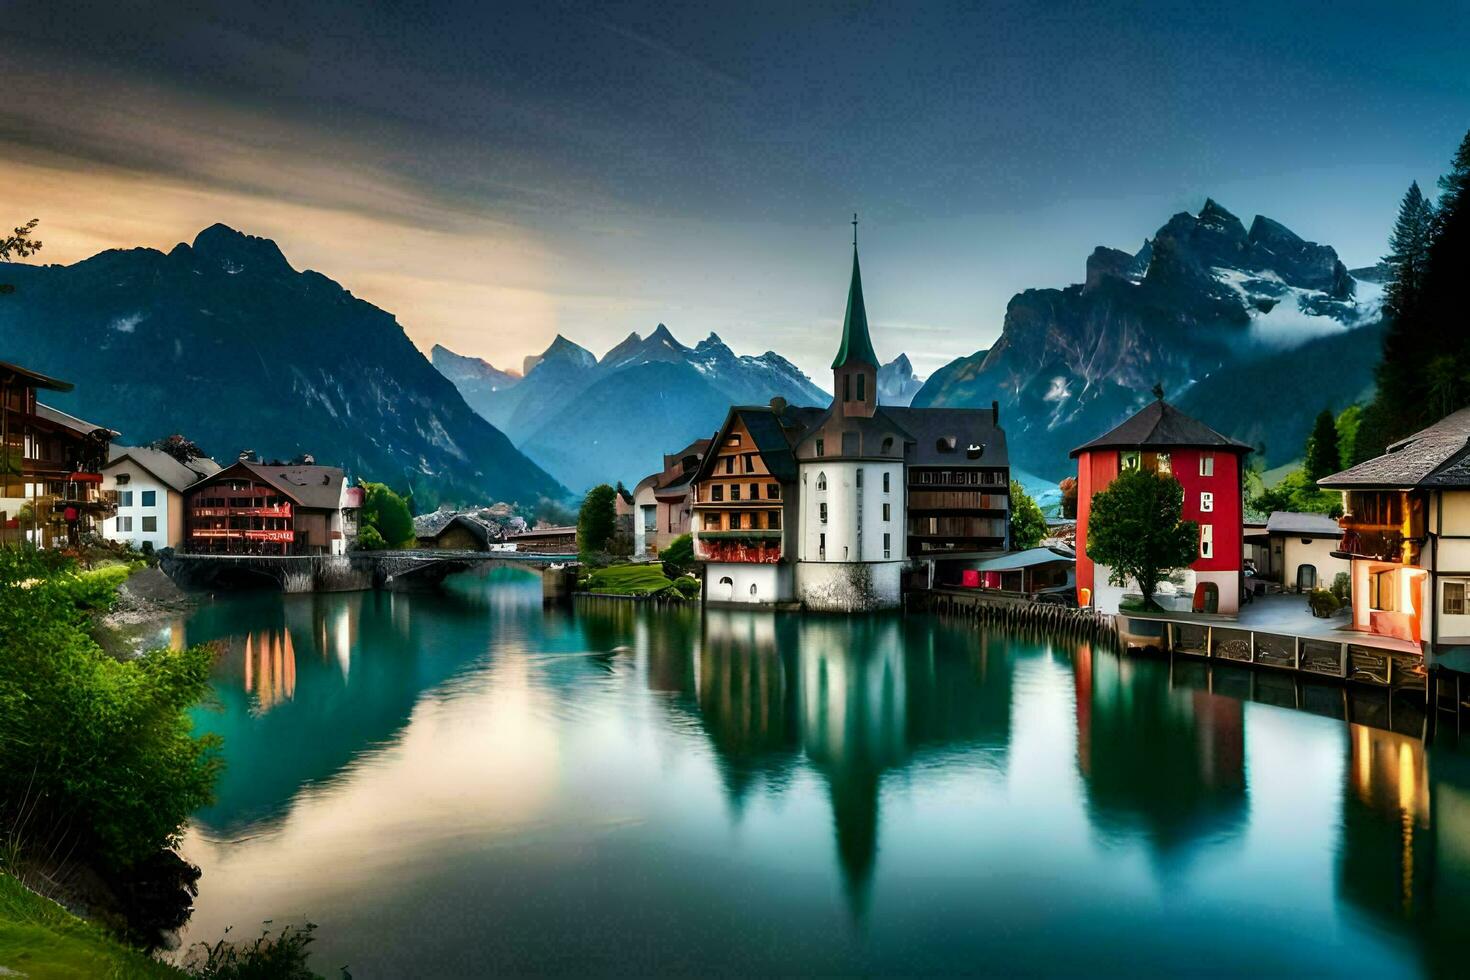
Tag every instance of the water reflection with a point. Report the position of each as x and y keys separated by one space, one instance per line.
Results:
x=731 y=790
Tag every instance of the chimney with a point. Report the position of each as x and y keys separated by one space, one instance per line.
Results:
x=995 y=413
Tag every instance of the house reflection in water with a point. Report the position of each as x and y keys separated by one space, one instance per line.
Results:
x=1156 y=759
x=856 y=699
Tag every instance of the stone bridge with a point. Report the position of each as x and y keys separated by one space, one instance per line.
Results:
x=360 y=570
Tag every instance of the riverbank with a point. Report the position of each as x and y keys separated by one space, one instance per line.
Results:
x=39 y=938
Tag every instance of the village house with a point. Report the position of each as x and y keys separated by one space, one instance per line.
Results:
x=272 y=509
x=826 y=507
x=547 y=539
x=1161 y=439
x=148 y=486
x=50 y=464
x=1405 y=531
x=663 y=501
x=1296 y=550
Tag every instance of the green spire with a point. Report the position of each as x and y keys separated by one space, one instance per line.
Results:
x=856 y=345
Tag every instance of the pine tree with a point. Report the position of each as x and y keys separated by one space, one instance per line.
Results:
x=1322 y=452
x=1408 y=256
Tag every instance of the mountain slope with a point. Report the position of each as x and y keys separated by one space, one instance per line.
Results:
x=897 y=383
x=224 y=341
x=1203 y=294
x=477 y=379
x=567 y=390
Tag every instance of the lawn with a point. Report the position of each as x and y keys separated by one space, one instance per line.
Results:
x=39 y=938
x=645 y=579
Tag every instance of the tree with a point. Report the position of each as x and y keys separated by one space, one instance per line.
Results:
x=182 y=449
x=1028 y=524
x=1136 y=530
x=678 y=555
x=1323 y=457
x=1069 y=497
x=597 y=520
x=1296 y=492
x=19 y=243
x=1348 y=421
x=387 y=513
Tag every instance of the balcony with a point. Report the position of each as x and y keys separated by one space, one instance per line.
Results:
x=1378 y=543
x=750 y=545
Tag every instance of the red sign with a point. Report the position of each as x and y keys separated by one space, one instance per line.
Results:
x=85 y=478
x=271 y=535
x=71 y=514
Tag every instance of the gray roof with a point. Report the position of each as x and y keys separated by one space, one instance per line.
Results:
x=1159 y=425
x=1294 y=524
x=317 y=487
x=773 y=435
x=59 y=417
x=170 y=471
x=435 y=524
x=967 y=426
x=1029 y=558
x=1432 y=457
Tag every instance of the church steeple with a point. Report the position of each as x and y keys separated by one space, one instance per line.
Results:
x=855 y=368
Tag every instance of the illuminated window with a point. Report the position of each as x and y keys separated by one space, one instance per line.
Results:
x=733 y=440
x=1163 y=464
x=1206 y=501
x=1129 y=461
x=1454 y=599
x=1207 y=465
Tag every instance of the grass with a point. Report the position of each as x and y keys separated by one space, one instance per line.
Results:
x=629 y=579
x=40 y=939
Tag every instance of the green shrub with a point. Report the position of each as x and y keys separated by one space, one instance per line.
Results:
x=268 y=957
x=628 y=580
x=368 y=539
x=96 y=755
x=1323 y=603
x=678 y=555
x=1342 y=588
x=687 y=586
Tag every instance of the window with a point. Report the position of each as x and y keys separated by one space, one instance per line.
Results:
x=821 y=481
x=773 y=491
x=752 y=588
x=847 y=387
x=887 y=512
x=734 y=491
x=733 y=440
x=1206 y=540
x=887 y=445
x=822 y=511
x=933 y=525
x=1207 y=464
x=926 y=477
x=711 y=522
x=1381 y=592
x=755 y=491
x=750 y=462
x=735 y=521
x=886 y=488
x=822 y=547
x=717 y=491
x=729 y=464
x=1163 y=464
x=1206 y=501
x=862 y=387
x=1454 y=598
x=148 y=498
x=124 y=524
x=773 y=520
x=125 y=498
x=821 y=448
x=150 y=524
x=1128 y=461
x=860 y=476
x=887 y=542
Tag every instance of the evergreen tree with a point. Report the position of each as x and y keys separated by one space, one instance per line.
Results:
x=1348 y=422
x=1408 y=256
x=1447 y=376
x=1401 y=373
x=1323 y=457
x=597 y=520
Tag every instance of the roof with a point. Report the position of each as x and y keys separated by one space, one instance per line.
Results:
x=774 y=436
x=1025 y=559
x=435 y=524
x=58 y=417
x=1159 y=425
x=967 y=426
x=557 y=531
x=873 y=431
x=317 y=487
x=33 y=379
x=856 y=344
x=162 y=466
x=1432 y=457
x=1294 y=524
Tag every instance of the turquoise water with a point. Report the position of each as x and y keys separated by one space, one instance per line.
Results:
x=465 y=783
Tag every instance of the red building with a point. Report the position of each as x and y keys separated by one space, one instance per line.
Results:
x=1162 y=439
x=252 y=508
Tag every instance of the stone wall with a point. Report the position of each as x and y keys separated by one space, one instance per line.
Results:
x=834 y=586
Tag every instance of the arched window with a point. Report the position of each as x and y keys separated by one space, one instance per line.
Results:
x=821 y=481
x=752 y=588
x=887 y=445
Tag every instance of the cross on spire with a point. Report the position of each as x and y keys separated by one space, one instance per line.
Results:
x=854 y=229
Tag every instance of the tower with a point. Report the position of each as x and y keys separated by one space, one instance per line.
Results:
x=855 y=368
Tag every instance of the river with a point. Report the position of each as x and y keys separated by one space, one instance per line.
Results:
x=463 y=783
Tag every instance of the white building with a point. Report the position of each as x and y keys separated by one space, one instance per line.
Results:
x=150 y=488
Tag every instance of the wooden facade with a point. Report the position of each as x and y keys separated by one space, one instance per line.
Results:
x=739 y=504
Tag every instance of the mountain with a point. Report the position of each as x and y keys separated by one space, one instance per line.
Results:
x=224 y=341
x=476 y=378
x=1201 y=296
x=897 y=383
x=589 y=421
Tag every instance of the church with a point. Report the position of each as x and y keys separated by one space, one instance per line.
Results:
x=833 y=509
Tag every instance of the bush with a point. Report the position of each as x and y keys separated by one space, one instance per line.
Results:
x=678 y=555
x=1342 y=588
x=368 y=539
x=687 y=586
x=1323 y=603
x=388 y=513
x=269 y=957
x=97 y=756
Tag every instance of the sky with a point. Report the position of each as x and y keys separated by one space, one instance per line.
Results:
x=496 y=174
